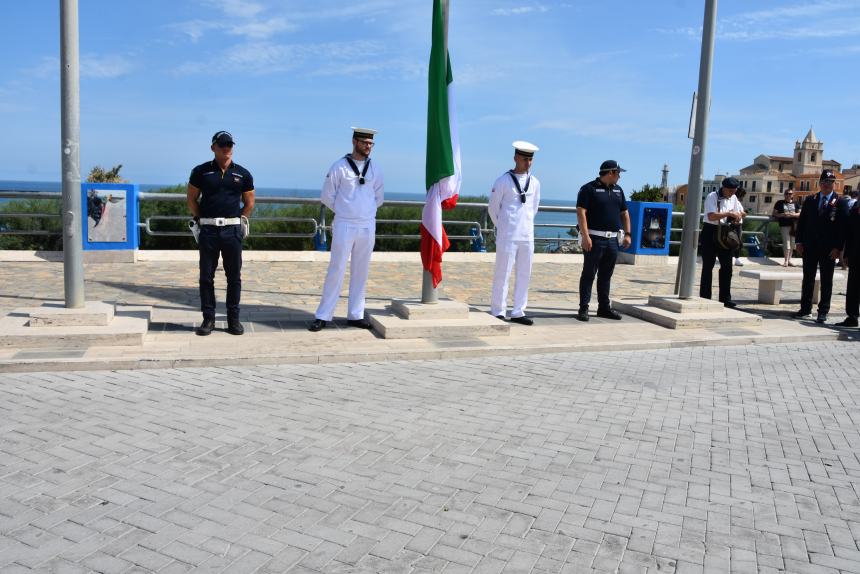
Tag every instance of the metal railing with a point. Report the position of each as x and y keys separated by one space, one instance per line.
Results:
x=147 y=226
x=318 y=228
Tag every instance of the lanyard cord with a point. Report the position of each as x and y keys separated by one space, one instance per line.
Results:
x=355 y=168
x=520 y=190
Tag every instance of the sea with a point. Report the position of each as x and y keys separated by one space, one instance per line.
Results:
x=548 y=225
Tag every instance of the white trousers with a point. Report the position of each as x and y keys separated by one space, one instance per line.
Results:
x=354 y=243
x=787 y=242
x=509 y=253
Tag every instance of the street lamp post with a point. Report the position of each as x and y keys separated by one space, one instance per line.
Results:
x=693 y=208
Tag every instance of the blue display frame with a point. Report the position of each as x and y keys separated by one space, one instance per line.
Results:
x=132 y=213
x=639 y=212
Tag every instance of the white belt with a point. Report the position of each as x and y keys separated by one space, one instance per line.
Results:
x=220 y=221
x=603 y=233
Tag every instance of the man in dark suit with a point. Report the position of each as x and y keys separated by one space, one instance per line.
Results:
x=820 y=237
x=852 y=257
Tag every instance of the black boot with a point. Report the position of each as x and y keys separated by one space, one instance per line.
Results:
x=234 y=327
x=205 y=327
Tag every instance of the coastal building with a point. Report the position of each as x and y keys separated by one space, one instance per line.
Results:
x=770 y=175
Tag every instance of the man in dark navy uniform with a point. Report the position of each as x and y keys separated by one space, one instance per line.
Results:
x=820 y=237
x=601 y=212
x=851 y=255
x=220 y=198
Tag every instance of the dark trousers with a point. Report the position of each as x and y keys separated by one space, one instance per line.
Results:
x=852 y=290
x=817 y=260
x=226 y=242
x=710 y=253
x=600 y=261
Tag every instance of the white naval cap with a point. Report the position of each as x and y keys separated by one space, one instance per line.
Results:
x=525 y=148
x=363 y=133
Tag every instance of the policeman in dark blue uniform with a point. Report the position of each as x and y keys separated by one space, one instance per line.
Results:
x=601 y=213
x=220 y=198
x=820 y=236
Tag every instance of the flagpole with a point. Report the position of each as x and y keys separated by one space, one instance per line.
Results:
x=430 y=294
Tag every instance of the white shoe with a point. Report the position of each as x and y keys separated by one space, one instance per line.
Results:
x=738 y=262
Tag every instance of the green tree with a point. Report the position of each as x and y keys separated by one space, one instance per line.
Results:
x=647 y=193
x=48 y=225
x=98 y=174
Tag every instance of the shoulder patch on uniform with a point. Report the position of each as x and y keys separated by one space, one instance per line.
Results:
x=208 y=173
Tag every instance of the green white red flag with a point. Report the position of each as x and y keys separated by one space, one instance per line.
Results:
x=443 y=168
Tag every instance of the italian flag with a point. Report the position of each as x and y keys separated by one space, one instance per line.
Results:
x=443 y=176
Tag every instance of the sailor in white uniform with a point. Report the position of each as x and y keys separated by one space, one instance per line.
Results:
x=513 y=204
x=353 y=189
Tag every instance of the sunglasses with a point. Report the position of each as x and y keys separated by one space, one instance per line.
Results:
x=225 y=145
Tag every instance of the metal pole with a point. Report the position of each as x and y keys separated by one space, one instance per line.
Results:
x=693 y=209
x=73 y=267
x=430 y=294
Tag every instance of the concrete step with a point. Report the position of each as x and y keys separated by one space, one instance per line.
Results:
x=477 y=324
x=723 y=317
x=675 y=304
x=444 y=309
x=53 y=314
x=122 y=331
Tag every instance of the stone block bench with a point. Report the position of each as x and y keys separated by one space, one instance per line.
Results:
x=770 y=283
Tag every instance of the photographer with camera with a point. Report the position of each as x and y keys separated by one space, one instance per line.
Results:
x=720 y=239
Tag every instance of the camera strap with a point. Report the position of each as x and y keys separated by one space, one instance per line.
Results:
x=355 y=168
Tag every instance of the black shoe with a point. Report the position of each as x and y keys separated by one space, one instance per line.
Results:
x=360 y=323
x=522 y=320
x=582 y=315
x=501 y=317
x=234 y=327
x=730 y=304
x=609 y=314
x=821 y=318
x=801 y=314
x=206 y=327
x=317 y=325
x=848 y=322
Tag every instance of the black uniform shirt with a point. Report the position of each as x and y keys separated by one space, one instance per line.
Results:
x=221 y=193
x=603 y=204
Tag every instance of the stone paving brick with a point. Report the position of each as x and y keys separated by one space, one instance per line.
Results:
x=716 y=459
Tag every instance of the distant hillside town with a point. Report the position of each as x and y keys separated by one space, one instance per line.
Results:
x=770 y=175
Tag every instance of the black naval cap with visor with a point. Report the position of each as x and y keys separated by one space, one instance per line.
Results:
x=222 y=138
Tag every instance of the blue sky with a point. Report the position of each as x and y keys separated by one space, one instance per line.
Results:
x=584 y=80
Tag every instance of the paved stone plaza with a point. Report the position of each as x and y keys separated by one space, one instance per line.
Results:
x=715 y=459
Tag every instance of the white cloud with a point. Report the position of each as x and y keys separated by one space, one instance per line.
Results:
x=238 y=8
x=111 y=66
x=640 y=132
x=263 y=29
x=91 y=66
x=810 y=20
x=196 y=29
x=519 y=10
x=263 y=58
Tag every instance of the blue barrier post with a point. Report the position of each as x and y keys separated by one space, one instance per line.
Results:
x=320 y=240
x=478 y=245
